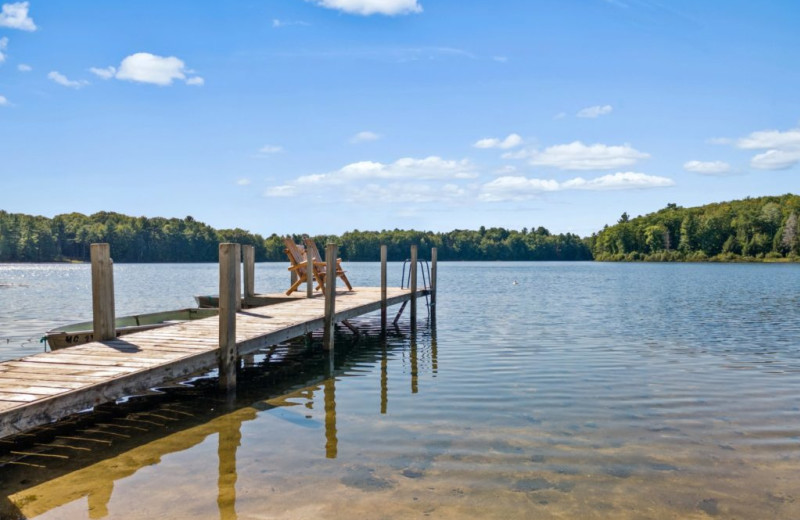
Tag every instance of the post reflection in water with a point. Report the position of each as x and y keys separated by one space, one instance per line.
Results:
x=414 y=362
x=384 y=377
x=331 y=442
x=229 y=438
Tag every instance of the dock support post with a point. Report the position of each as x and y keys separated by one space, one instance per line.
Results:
x=238 y=261
x=384 y=255
x=249 y=257
x=228 y=289
x=413 y=287
x=102 y=293
x=330 y=295
x=434 y=258
x=309 y=276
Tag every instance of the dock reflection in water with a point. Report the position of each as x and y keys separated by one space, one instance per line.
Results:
x=87 y=460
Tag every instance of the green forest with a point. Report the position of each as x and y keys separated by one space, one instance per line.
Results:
x=26 y=238
x=753 y=229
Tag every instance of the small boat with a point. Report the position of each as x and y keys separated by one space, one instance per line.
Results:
x=257 y=300
x=80 y=333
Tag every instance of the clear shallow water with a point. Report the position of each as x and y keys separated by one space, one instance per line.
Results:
x=585 y=391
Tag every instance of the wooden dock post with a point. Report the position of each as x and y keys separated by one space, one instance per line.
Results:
x=238 y=262
x=434 y=258
x=249 y=258
x=330 y=295
x=384 y=254
x=413 y=276
x=228 y=289
x=309 y=277
x=102 y=292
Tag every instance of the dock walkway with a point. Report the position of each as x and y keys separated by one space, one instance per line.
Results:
x=39 y=389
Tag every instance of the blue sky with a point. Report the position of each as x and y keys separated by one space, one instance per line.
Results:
x=322 y=116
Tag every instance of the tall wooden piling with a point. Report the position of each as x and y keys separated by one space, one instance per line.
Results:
x=330 y=295
x=434 y=258
x=249 y=258
x=309 y=276
x=413 y=276
x=102 y=293
x=228 y=290
x=238 y=261
x=384 y=254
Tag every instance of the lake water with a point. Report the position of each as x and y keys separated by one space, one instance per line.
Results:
x=586 y=390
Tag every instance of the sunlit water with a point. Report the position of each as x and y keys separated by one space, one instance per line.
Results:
x=586 y=390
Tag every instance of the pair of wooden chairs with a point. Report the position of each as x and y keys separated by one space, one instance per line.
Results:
x=298 y=260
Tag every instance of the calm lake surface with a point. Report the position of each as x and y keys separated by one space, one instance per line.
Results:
x=587 y=390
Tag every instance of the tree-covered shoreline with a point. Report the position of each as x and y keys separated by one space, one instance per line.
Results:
x=64 y=238
x=762 y=229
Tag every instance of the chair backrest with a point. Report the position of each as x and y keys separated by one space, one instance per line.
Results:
x=312 y=250
x=293 y=250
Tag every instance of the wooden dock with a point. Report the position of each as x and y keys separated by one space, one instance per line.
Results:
x=39 y=389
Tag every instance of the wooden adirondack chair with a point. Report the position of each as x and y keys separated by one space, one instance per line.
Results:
x=298 y=265
x=313 y=253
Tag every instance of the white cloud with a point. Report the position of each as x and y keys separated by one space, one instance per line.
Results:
x=363 y=137
x=63 y=80
x=369 y=7
x=3 y=46
x=578 y=156
x=284 y=23
x=782 y=148
x=505 y=170
x=270 y=149
x=243 y=182
x=776 y=159
x=516 y=188
x=399 y=180
x=24 y=68
x=15 y=16
x=106 y=73
x=144 y=67
x=513 y=140
x=4 y=101
x=595 y=111
x=707 y=167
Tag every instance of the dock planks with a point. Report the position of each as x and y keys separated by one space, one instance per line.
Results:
x=45 y=387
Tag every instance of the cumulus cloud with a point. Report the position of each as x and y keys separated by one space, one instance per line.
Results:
x=512 y=141
x=782 y=148
x=707 y=167
x=66 y=82
x=360 y=175
x=4 y=101
x=516 y=188
x=595 y=111
x=270 y=149
x=3 y=47
x=106 y=73
x=578 y=156
x=369 y=7
x=363 y=137
x=143 y=67
x=243 y=182
x=15 y=16
x=24 y=68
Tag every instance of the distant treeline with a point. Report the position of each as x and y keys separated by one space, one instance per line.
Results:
x=764 y=228
x=26 y=238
